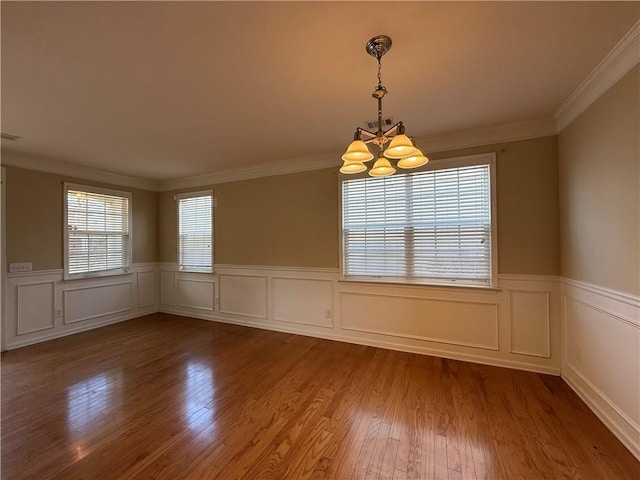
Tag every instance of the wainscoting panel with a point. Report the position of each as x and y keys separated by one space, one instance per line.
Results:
x=36 y=307
x=244 y=295
x=86 y=303
x=471 y=324
x=530 y=320
x=455 y=322
x=41 y=305
x=167 y=288
x=195 y=291
x=146 y=289
x=601 y=358
x=304 y=301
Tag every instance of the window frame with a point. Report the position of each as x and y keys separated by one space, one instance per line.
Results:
x=125 y=269
x=489 y=159
x=185 y=195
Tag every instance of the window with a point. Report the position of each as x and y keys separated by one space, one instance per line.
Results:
x=97 y=237
x=195 y=231
x=432 y=226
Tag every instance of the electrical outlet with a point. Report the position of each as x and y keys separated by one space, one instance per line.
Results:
x=327 y=313
x=20 y=267
x=579 y=355
x=58 y=313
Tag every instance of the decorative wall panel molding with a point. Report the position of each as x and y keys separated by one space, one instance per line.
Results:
x=454 y=322
x=41 y=306
x=195 y=291
x=303 y=301
x=167 y=287
x=469 y=324
x=146 y=288
x=35 y=307
x=601 y=353
x=82 y=303
x=244 y=295
x=530 y=320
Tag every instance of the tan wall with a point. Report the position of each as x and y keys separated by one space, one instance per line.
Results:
x=293 y=220
x=527 y=204
x=287 y=220
x=284 y=220
x=599 y=157
x=34 y=219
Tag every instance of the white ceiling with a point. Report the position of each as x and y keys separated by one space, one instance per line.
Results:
x=165 y=90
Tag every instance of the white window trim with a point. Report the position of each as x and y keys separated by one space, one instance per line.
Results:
x=180 y=196
x=452 y=162
x=104 y=191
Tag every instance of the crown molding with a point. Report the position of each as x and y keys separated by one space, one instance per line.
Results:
x=51 y=165
x=433 y=143
x=618 y=62
x=294 y=165
x=487 y=135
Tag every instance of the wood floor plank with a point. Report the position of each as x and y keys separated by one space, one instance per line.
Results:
x=168 y=397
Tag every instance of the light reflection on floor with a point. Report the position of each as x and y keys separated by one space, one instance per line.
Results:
x=198 y=402
x=86 y=400
x=87 y=403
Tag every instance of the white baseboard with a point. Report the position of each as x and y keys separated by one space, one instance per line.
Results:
x=82 y=328
x=620 y=424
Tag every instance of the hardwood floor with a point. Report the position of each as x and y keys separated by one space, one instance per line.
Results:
x=166 y=397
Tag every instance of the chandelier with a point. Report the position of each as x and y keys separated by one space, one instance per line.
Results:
x=401 y=148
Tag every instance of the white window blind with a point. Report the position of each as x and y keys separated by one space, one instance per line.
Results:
x=195 y=231
x=425 y=227
x=98 y=231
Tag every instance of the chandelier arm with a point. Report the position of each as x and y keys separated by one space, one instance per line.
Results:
x=368 y=133
x=390 y=130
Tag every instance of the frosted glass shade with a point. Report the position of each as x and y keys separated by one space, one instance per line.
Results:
x=352 y=167
x=382 y=168
x=357 y=152
x=413 y=161
x=400 y=147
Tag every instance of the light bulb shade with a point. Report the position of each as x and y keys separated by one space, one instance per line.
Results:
x=382 y=168
x=357 y=152
x=416 y=160
x=400 y=147
x=352 y=167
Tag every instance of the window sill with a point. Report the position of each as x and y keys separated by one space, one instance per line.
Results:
x=370 y=281
x=95 y=275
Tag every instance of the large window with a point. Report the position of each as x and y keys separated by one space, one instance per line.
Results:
x=433 y=226
x=97 y=234
x=195 y=231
